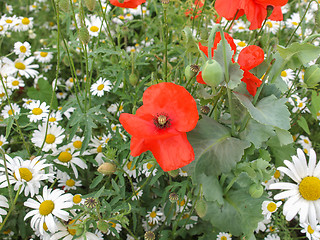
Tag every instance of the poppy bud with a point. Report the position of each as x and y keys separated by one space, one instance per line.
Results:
x=64 y=5
x=133 y=79
x=212 y=73
x=90 y=4
x=103 y=226
x=107 y=168
x=201 y=208
x=312 y=76
x=83 y=35
x=256 y=190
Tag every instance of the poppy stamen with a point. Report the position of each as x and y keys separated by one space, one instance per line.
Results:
x=162 y=121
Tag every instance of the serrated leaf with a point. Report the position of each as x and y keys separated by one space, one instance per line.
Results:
x=235 y=74
x=215 y=150
x=268 y=111
x=302 y=122
x=298 y=54
x=189 y=40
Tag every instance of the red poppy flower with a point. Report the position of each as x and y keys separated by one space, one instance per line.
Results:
x=255 y=10
x=217 y=39
x=197 y=5
x=127 y=3
x=161 y=123
x=250 y=57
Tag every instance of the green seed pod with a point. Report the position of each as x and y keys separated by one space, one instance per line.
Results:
x=201 y=208
x=64 y=5
x=107 y=168
x=90 y=4
x=312 y=76
x=212 y=73
x=256 y=190
x=133 y=79
x=103 y=226
x=84 y=35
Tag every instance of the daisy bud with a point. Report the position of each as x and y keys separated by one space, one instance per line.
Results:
x=149 y=236
x=107 y=168
x=173 y=197
x=205 y=109
x=312 y=76
x=84 y=35
x=256 y=190
x=133 y=79
x=90 y=4
x=201 y=208
x=212 y=73
x=103 y=226
x=64 y=5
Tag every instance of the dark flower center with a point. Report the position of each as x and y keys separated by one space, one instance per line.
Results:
x=162 y=121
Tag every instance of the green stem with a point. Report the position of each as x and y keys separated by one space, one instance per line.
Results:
x=165 y=44
x=234 y=18
x=7 y=175
x=230 y=185
x=211 y=39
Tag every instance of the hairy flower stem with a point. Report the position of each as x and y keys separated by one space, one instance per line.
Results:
x=165 y=43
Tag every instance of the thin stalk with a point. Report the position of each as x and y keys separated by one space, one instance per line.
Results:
x=234 y=18
x=7 y=175
x=165 y=44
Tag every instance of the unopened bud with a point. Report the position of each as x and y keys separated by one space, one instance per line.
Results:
x=212 y=73
x=64 y=5
x=107 y=168
x=84 y=35
x=205 y=109
x=173 y=197
x=201 y=208
x=133 y=79
x=90 y=4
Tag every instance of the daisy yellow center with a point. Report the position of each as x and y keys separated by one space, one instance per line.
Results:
x=77 y=144
x=271 y=229
x=8 y=21
x=121 y=17
x=1 y=143
x=113 y=224
x=241 y=28
x=276 y=174
x=121 y=108
x=37 y=111
x=52 y=119
x=23 y=49
x=43 y=54
x=65 y=157
x=310 y=230
x=70 y=182
x=71 y=230
x=10 y=112
x=241 y=44
x=3 y=94
x=300 y=105
x=45 y=227
x=25 y=21
x=46 y=207
x=77 y=199
x=50 y=138
x=185 y=216
x=71 y=79
x=149 y=165
x=15 y=83
x=99 y=149
x=223 y=238
x=269 y=24
x=272 y=207
x=318 y=114
x=100 y=87
x=309 y=188
x=1 y=28
x=182 y=203
x=129 y=165
x=25 y=174
x=305 y=151
x=295 y=23
x=20 y=66
x=284 y=74
x=153 y=214
x=306 y=141
x=94 y=29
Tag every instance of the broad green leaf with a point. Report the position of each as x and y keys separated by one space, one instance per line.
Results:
x=280 y=153
x=315 y=104
x=215 y=150
x=312 y=76
x=302 y=122
x=298 y=54
x=257 y=133
x=235 y=74
x=269 y=111
x=211 y=187
x=240 y=213
x=284 y=136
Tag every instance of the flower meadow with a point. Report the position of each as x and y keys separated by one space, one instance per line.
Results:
x=148 y=119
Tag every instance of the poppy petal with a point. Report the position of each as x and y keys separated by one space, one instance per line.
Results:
x=252 y=82
x=227 y=8
x=250 y=57
x=127 y=3
x=199 y=78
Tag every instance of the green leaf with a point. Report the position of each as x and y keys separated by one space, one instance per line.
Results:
x=269 y=111
x=302 y=122
x=235 y=74
x=284 y=136
x=315 y=104
x=298 y=54
x=215 y=150
x=98 y=194
x=9 y=126
x=211 y=187
x=280 y=153
x=190 y=42
x=96 y=181
x=257 y=133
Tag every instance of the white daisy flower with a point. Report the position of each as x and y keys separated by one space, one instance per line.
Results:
x=147 y=167
x=184 y=204
x=137 y=192
x=191 y=220
x=300 y=105
x=224 y=236
x=93 y=25
x=43 y=57
x=10 y=21
x=25 y=173
x=262 y=225
x=272 y=26
x=49 y=205
x=69 y=83
x=105 y=139
x=115 y=226
x=293 y=21
x=240 y=26
x=3 y=27
x=67 y=112
x=269 y=207
x=69 y=158
x=96 y=148
x=101 y=86
x=76 y=143
x=3 y=204
x=67 y=183
x=61 y=95
x=27 y=102
x=305 y=143
x=272 y=237
x=54 y=137
x=303 y=196
x=23 y=24
x=14 y=83
x=22 y=66
x=131 y=170
x=115 y=108
x=22 y=49
x=288 y=75
x=54 y=118
x=3 y=140
x=154 y=215
x=182 y=173
x=38 y=111
x=8 y=112
x=311 y=233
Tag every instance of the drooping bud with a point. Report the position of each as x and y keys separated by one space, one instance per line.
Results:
x=201 y=208
x=212 y=73
x=133 y=79
x=83 y=35
x=107 y=168
x=256 y=190
x=90 y=4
